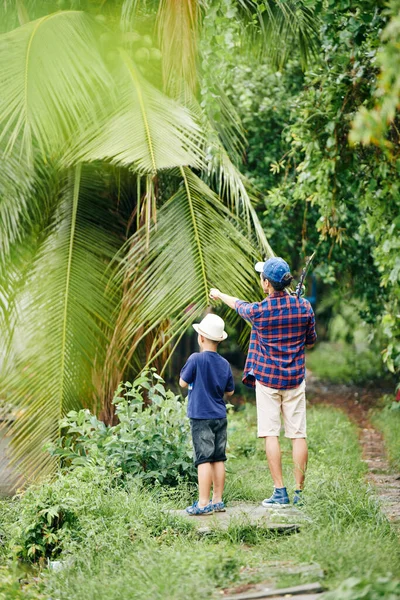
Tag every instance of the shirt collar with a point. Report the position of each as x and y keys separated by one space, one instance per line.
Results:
x=278 y=294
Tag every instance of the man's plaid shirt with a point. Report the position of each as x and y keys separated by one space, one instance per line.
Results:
x=281 y=327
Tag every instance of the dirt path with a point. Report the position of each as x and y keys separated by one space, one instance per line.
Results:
x=357 y=402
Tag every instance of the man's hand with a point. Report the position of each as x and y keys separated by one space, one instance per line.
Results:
x=215 y=294
x=230 y=301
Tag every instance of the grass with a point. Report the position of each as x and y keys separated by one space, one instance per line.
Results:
x=388 y=422
x=339 y=362
x=124 y=546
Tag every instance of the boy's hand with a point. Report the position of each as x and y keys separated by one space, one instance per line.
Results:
x=215 y=294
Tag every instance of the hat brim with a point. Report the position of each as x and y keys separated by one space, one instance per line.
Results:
x=207 y=335
x=259 y=267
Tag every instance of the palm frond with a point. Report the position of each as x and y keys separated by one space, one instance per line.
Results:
x=65 y=321
x=52 y=77
x=197 y=244
x=178 y=30
x=16 y=186
x=233 y=187
x=134 y=11
x=146 y=130
x=283 y=25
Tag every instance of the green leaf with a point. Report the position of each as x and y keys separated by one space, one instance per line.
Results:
x=66 y=321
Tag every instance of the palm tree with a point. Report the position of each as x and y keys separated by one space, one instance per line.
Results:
x=115 y=221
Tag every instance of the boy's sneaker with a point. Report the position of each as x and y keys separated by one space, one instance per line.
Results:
x=279 y=499
x=218 y=506
x=195 y=509
x=298 y=498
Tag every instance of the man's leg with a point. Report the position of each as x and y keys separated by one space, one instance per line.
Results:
x=205 y=478
x=273 y=452
x=294 y=416
x=300 y=457
x=218 y=480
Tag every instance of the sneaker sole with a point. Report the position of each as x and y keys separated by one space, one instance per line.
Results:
x=204 y=514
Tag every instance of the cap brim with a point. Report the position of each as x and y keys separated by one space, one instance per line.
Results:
x=259 y=267
x=207 y=335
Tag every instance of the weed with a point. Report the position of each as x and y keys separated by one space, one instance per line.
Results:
x=150 y=441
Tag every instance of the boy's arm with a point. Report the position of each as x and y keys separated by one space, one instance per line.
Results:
x=230 y=384
x=188 y=372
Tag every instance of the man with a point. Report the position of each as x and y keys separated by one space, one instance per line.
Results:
x=282 y=327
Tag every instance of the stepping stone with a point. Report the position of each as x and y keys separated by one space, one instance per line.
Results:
x=285 y=520
x=309 y=591
x=291 y=568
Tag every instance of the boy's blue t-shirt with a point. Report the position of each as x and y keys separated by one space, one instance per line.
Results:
x=209 y=376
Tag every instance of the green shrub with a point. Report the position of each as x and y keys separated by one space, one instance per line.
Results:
x=358 y=589
x=46 y=518
x=150 y=441
x=345 y=363
x=387 y=421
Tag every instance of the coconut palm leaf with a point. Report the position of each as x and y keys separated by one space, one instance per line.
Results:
x=233 y=187
x=40 y=103
x=66 y=320
x=16 y=185
x=283 y=25
x=145 y=130
x=178 y=30
x=197 y=244
x=25 y=211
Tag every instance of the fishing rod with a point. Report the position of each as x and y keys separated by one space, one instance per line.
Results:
x=299 y=291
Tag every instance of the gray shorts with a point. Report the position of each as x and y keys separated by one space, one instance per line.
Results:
x=209 y=440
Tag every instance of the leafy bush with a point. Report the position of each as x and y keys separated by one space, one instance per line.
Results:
x=150 y=441
x=387 y=421
x=46 y=519
x=358 y=589
x=344 y=363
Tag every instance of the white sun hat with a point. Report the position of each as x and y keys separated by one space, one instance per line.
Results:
x=212 y=328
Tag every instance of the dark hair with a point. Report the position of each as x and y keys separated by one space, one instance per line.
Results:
x=286 y=281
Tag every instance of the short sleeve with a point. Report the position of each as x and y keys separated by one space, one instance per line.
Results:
x=230 y=384
x=247 y=310
x=188 y=371
x=311 y=334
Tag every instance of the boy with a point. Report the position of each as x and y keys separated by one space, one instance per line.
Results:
x=208 y=376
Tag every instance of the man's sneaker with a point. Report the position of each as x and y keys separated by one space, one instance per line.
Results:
x=298 y=498
x=279 y=499
x=218 y=506
x=196 y=510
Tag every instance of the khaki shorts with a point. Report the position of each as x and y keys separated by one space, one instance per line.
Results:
x=271 y=403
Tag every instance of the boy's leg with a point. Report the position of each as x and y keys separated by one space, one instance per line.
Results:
x=273 y=452
x=205 y=478
x=220 y=427
x=218 y=480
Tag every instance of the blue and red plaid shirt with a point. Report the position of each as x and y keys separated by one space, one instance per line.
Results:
x=282 y=325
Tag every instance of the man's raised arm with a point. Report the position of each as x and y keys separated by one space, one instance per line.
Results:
x=230 y=301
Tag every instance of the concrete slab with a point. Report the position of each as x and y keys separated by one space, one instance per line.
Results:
x=308 y=591
x=286 y=520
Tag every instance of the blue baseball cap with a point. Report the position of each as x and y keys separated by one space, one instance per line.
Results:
x=274 y=269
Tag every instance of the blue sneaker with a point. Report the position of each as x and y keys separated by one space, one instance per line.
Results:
x=196 y=510
x=218 y=506
x=298 y=498
x=279 y=499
